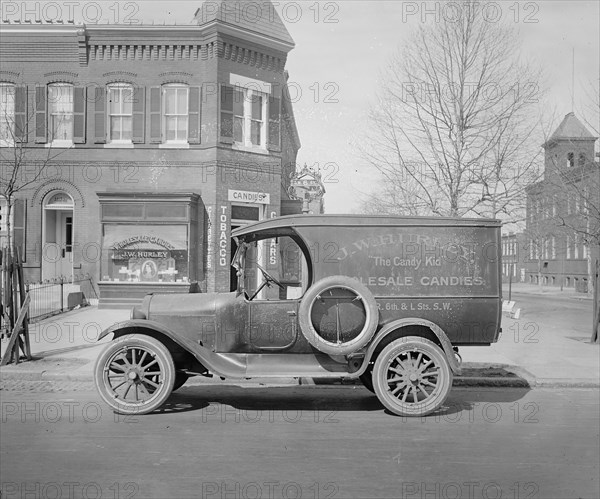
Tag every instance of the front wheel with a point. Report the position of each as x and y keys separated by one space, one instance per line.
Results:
x=135 y=374
x=412 y=377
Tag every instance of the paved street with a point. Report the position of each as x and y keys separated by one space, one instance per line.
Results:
x=59 y=440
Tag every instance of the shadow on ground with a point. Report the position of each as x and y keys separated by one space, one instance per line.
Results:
x=359 y=399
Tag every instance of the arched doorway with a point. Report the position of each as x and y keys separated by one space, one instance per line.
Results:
x=57 y=235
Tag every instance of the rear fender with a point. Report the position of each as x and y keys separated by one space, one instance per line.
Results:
x=400 y=324
x=215 y=363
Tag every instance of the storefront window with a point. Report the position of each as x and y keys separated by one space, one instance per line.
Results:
x=145 y=253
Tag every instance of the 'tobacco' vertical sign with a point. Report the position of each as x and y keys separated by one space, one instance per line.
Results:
x=223 y=236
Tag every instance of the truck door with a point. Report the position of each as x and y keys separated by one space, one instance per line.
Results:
x=273 y=309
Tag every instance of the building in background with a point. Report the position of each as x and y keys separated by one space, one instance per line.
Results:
x=562 y=209
x=306 y=186
x=163 y=139
x=514 y=248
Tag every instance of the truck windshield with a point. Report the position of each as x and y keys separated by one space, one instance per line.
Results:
x=271 y=269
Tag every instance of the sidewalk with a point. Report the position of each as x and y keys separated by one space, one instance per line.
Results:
x=65 y=346
x=532 y=351
x=534 y=289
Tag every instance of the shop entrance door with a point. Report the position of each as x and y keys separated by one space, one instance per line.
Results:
x=57 y=257
x=64 y=238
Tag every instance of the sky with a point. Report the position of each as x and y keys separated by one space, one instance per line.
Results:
x=342 y=47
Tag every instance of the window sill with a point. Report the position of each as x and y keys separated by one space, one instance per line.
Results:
x=241 y=147
x=60 y=144
x=118 y=145
x=174 y=145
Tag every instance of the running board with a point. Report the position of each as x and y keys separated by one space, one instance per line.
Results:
x=287 y=365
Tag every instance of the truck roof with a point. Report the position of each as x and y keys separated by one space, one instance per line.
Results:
x=361 y=220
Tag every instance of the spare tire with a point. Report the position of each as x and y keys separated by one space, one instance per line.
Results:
x=338 y=315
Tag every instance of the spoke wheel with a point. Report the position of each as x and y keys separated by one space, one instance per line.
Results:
x=412 y=377
x=135 y=374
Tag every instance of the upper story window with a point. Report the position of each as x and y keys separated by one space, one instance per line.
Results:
x=570 y=160
x=581 y=160
x=250 y=115
x=60 y=112
x=120 y=112
x=249 y=112
x=7 y=113
x=175 y=113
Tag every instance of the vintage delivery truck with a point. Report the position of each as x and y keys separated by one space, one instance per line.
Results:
x=387 y=300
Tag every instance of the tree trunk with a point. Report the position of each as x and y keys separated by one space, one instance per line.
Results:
x=9 y=202
x=596 y=310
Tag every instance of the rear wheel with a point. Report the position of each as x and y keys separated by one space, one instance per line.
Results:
x=412 y=376
x=135 y=374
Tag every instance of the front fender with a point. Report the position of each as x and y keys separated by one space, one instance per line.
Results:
x=217 y=364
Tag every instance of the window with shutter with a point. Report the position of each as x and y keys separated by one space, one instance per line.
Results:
x=20 y=226
x=244 y=117
x=226 y=128
x=41 y=106
x=120 y=113
x=155 y=115
x=21 y=114
x=7 y=114
x=79 y=108
x=139 y=115
x=99 y=115
x=60 y=113
x=175 y=113
x=274 y=123
x=194 y=106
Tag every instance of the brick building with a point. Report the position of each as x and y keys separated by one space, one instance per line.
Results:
x=162 y=140
x=514 y=247
x=562 y=209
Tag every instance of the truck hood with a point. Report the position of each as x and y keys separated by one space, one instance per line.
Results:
x=164 y=307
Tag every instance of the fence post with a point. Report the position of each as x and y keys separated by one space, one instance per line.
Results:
x=62 y=308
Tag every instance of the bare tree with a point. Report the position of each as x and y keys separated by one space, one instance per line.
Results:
x=454 y=120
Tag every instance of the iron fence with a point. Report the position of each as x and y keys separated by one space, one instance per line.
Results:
x=60 y=294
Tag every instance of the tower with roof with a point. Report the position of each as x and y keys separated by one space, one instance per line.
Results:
x=559 y=250
x=571 y=145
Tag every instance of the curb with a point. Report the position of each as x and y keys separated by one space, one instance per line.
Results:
x=459 y=381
